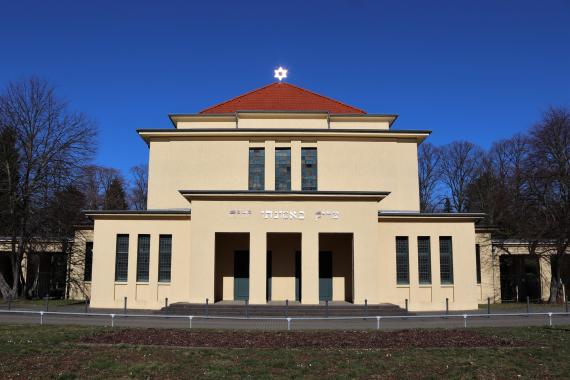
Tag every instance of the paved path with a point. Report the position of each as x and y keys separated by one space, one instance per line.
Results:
x=386 y=323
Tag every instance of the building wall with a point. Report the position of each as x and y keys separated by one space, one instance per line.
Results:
x=343 y=165
x=462 y=294
x=107 y=293
x=79 y=289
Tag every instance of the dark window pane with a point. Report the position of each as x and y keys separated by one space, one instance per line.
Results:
x=283 y=169
x=309 y=169
x=88 y=270
x=402 y=260
x=478 y=262
x=424 y=260
x=256 y=169
x=143 y=257
x=164 y=258
x=445 y=260
x=122 y=258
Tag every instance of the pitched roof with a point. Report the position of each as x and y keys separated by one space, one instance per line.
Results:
x=282 y=97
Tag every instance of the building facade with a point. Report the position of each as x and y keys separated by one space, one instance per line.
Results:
x=283 y=194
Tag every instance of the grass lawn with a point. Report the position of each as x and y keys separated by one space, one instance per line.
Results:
x=61 y=352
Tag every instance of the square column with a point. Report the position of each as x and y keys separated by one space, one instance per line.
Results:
x=258 y=268
x=310 y=268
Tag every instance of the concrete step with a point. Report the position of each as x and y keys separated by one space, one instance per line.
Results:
x=295 y=310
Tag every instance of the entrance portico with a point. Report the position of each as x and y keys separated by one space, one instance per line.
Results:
x=303 y=251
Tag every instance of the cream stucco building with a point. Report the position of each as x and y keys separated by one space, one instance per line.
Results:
x=284 y=194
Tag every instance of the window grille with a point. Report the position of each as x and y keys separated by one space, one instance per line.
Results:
x=88 y=270
x=164 y=258
x=143 y=257
x=256 y=169
x=424 y=260
x=402 y=260
x=445 y=260
x=122 y=258
x=283 y=169
x=478 y=262
x=309 y=169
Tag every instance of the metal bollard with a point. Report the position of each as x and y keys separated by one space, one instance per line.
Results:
x=286 y=308
x=247 y=308
x=86 y=304
x=465 y=320
x=166 y=302
x=41 y=317
x=288 y=324
x=488 y=306
x=447 y=306
x=207 y=302
x=366 y=307
x=189 y=321
x=549 y=319
x=112 y=320
x=406 y=305
x=326 y=308
x=125 y=306
x=378 y=323
x=527 y=305
x=47 y=302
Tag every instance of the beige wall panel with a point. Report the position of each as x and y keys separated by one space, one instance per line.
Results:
x=287 y=123
x=371 y=166
x=464 y=289
x=206 y=125
x=104 y=252
x=194 y=165
x=360 y=125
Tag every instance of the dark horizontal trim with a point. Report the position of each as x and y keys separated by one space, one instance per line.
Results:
x=137 y=212
x=364 y=115
x=475 y=215
x=327 y=130
x=270 y=192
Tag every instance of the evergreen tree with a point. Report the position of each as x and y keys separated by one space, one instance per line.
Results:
x=115 y=196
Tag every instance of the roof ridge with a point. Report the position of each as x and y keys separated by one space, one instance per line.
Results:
x=325 y=97
x=237 y=97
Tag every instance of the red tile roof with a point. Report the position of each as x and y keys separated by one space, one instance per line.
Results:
x=282 y=97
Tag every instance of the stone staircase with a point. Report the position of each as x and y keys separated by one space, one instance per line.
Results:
x=280 y=310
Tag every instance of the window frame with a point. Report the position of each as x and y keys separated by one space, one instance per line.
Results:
x=88 y=264
x=478 y=262
x=279 y=179
x=164 y=261
x=424 y=277
x=443 y=257
x=256 y=170
x=402 y=261
x=122 y=258
x=143 y=258
x=306 y=179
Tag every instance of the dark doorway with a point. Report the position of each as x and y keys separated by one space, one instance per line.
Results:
x=325 y=276
x=241 y=275
x=520 y=278
x=269 y=274
x=298 y=276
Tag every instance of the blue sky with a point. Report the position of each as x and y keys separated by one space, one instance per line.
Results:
x=475 y=70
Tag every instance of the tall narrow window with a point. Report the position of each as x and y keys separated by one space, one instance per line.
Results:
x=256 y=169
x=445 y=260
x=309 y=169
x=402 y=261
x=88 y=270
x=122 y=258
x=283 y=169
x=424 y=260
x=143 y=257
x=164 y=258
x=478 y=262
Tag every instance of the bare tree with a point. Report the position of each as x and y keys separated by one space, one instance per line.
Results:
x=429 y=173
x=51 y=144
x=548 y=188
x=138 y=190
x=460 y=163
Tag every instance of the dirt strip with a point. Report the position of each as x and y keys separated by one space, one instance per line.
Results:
x=302 y=339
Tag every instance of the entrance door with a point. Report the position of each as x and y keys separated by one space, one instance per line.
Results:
x=325 y=276
x=241 y=275
x=298 y=276
x=269 y=274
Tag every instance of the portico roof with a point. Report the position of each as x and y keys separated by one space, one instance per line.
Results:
x=283 y=195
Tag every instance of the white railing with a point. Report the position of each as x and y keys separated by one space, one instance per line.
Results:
x=290 y=320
